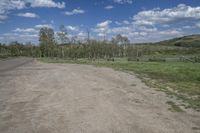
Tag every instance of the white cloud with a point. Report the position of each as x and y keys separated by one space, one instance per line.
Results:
x=198 y=24
x=188 y=27
x=28 y=30
x=24 y=34
x=82 y=36
x=126 y=22
x=39 y=26
x=108 y=7
x=165 y=26
x=28 y=15
x=104 y=24
x=146 y=26
x=118 y=23
x=121 y=30
x=142 y=33
x=74 y=12
x=147 y=29
x=20 y=37
x=3 y=17
x=6 y=6
x=143 y=22
x=123 y=1
x=46 y=3
x=103 y=28
x=72 y=28
x=177 y=14
x=155 y=25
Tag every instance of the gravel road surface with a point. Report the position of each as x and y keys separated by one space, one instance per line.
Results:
x=38 y=97
x=7 y=65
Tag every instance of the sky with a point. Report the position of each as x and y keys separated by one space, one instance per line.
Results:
x=139 y=20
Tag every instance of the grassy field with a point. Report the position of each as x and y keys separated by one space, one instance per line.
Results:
x=180 y=80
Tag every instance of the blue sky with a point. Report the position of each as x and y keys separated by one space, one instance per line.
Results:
x=139 y=20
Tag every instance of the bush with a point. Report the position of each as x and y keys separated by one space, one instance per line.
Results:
x=133 y=59
x=157 y=59
x=111 y=59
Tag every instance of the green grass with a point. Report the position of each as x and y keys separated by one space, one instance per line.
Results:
x=174 y=107
x=178 y=79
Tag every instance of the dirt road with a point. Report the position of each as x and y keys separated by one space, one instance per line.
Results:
x=7 y=65
x=68 y=98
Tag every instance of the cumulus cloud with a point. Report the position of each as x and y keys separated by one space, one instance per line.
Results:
x=145 y=26
x=6 y=6
x=198 y=24
x=2 y=17
x=104 y=24
x=74 y=12
x=28 y=15
x=108 y=7
x=123 y=1
x=155 y=25
x=121 y=30
x=103 y=28
x=118 y=23
x=28 y=30
x=39 y=26
x=46 y=3
x=72 y=28
x=31 y=34
x=171 y=15
x=24 y=34
x=25 y=37
x=126 y=22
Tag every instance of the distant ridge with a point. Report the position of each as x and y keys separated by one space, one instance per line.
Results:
x=185 y=41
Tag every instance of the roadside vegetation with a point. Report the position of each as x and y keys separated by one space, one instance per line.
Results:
x=65 y=47
x=172 y=66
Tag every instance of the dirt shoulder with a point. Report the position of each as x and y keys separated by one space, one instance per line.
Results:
x=59 y=98
x=12 y=63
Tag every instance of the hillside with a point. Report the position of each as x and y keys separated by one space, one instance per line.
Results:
x=186 y=41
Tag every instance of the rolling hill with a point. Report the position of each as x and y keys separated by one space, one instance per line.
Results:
x=185 y=41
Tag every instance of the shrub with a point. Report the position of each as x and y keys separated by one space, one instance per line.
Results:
x=157 y=59
x=111 y=59
x=133 y=59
